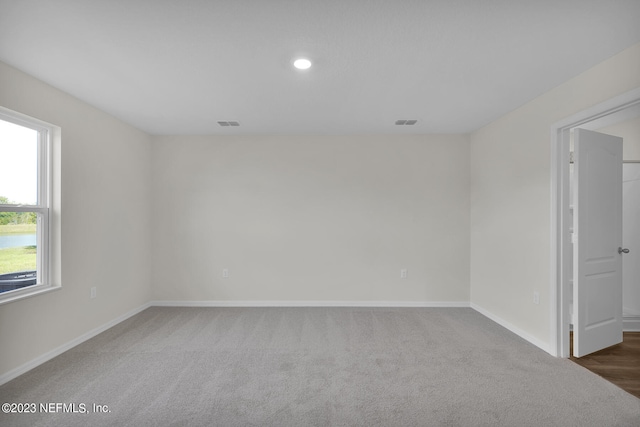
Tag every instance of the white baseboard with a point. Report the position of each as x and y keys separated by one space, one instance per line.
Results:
x=14 y=373
x=223 y=303
x=631 y=324
x=522 y=334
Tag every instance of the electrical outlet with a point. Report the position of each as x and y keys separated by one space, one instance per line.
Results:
x=536 y=297
x=94 y=292
x=403 y=273
x=225 y=273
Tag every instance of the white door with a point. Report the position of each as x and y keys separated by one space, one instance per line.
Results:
x=597 y=226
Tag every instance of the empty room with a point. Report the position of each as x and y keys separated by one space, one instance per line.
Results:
x=319 y=213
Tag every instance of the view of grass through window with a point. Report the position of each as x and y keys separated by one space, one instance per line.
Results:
x=17 y=258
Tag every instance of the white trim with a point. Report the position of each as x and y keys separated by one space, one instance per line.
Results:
x=522 y=334
x=260 y=303
x=42 y=208
x=556 y=244
x=631 y=324
x=28 y=292
x=14 y=373
x=613 y=105
x=560 y=264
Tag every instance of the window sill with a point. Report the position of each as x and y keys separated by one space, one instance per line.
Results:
x=41 y=289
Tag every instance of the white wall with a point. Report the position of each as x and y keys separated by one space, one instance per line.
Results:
x=511 y=193
x=105 y=223
x=311 y=218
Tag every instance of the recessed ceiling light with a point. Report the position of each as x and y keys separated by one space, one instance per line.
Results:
x=302 y=63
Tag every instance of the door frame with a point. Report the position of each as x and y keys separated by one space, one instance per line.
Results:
x=561 y=251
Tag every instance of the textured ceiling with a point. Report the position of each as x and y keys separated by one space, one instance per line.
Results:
x=179 y=67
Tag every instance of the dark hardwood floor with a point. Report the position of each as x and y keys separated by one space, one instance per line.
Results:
x=619 y=364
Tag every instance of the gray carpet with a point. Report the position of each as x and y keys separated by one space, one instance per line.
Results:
x=316 y=367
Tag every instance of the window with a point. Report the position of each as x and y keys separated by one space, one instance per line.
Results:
x=25 y=182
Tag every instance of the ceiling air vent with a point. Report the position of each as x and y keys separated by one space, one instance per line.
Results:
x=406 y=122
x=229 y=123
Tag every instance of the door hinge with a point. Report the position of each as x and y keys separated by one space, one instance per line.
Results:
x=570 y=156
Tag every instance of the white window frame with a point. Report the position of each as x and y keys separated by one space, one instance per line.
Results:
x=42 y=208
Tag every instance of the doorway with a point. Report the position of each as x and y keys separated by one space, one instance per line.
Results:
x=626 y=294
x=611 y=113
x=631 y=240
x=629 y=129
